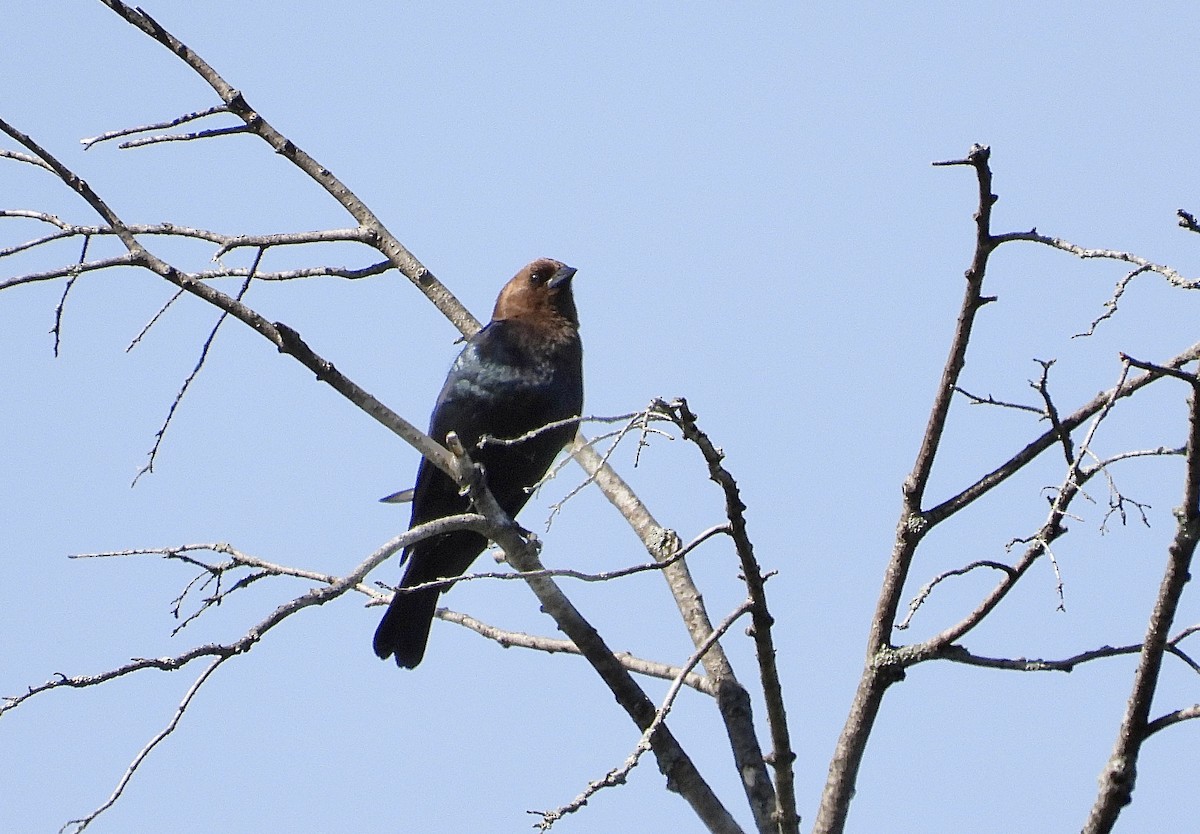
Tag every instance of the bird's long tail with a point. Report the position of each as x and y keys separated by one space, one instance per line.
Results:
x=404 y=629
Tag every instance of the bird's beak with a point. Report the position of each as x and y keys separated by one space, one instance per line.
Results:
x=564 y=274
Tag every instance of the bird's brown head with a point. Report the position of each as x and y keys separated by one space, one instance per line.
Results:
x=540 y=294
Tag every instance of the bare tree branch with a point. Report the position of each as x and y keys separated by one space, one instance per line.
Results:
x=225 y=242
x=1118 y=780
x=1171 y=719
x=673 y=762
x=195 y=277
x=70 y=271
x=284 y=338
x=154 y=320
x=79 y=825
x=129 y=131
x=552 y=645
x=927 y=588
x=62 y=300
x=1110 y=306
x=990 y=400
x=1038 y=544
x=881 y=669
x=959 y=654
x=781 y=757
x=31 y=214
x=1162 y=370
x=571 y=573
x=235 y=103
x=997 y=476
x=21 y=157
x=618 y=775
x=467 y=521
x=661 y=543
x=186 y=137
x=335 y=587
x=1042 y=386
x=191 y=377
x=1142 y=264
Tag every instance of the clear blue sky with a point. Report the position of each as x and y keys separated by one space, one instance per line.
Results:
x=748 y=198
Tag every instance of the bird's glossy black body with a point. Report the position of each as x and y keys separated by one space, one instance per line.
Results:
x=521 y=372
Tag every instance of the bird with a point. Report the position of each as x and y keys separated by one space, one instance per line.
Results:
x=520 y=372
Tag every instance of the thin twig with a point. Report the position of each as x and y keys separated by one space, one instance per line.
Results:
x=571 y=573
x=1172 y=718
x=129 y=131
x=1042 y=386
x=926 y=589
x=959 y=654
x=208 y=343
x=225 y=242
x=1164 y=370
x=554 y=645
x=618 y=775
x=24 y=157
x=185 y=137
x=490 y=440
x=79 y=825
x=556 y=508
x=1110 y=306
x=1144 y=265
x=153 y=320
x=62 y=301
x=990 y=400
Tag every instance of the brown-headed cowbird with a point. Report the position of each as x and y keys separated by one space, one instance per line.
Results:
x=524 y=370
